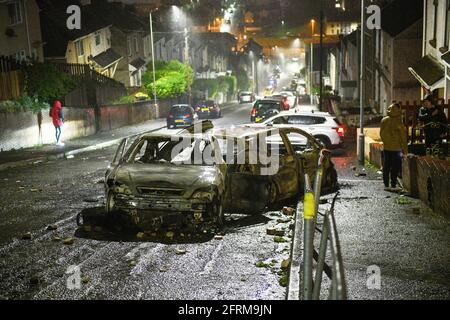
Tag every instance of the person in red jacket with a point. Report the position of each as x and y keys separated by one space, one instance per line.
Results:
x=57 y=115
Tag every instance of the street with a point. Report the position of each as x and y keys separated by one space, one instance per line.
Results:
x=122 y=268
x=241 y=262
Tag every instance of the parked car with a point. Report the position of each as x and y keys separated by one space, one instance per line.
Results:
x=246 y=97
x=163 y=179
x=291 y=98
x=181 y=115
x=283 y=98
x=322 y=125
x=208 y=109
x=268 y=91
x=265 y=108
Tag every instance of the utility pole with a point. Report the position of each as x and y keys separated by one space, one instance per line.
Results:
x=153 y=61
x=321 y=59
x=361 y=158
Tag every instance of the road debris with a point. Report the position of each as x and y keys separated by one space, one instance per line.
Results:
x=262 y=264
x=68 y=241
x=180 y=251
x=218 y=237
x=26 y=236
x=285 y=264
x=279 y=239
x=288 y=211
x=403 y=200
x=52 y=227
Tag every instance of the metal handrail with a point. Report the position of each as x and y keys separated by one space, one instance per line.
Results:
x=329 y=236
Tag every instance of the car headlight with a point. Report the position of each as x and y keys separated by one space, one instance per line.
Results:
x=122 y=189
x=203 y=195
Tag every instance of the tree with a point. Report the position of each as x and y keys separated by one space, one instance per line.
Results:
x=172 y=79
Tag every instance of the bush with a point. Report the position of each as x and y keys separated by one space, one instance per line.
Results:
x=45 y=82
x=23 y=104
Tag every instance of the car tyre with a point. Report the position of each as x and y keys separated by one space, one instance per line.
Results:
x=110 y=203
x=217 y=214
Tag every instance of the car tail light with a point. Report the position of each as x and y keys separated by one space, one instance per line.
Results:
x=253 y=114
x=340 y=131
x=187 y=115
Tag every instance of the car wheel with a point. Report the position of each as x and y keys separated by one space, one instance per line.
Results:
x=325 y=141
x=216 y=213
x=110 y=203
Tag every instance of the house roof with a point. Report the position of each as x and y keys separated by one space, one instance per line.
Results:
x=446 y=58
x=399 y=15
x=138 y=63
x=106 y=58
x=55 y=33
x=428 y=71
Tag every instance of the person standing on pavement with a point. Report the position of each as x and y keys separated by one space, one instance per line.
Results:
x=435 y=126
x=57 y=114
x=393 y=135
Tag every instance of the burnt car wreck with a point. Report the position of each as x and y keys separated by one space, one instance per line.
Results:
x=192 y=178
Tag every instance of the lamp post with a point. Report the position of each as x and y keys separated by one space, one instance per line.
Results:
x=153 y=61
x=361 y=158
x=311 y=63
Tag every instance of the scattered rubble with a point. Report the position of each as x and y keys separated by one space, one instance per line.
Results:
x=68 y=241
x=26 y=236
x=180 y=251
x=288 y=211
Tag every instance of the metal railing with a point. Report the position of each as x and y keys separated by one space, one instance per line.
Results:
x=329 y=240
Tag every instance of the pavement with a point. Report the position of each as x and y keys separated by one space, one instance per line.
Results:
x=39 y=154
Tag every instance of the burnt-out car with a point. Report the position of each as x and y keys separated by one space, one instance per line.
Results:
x=167 y=179
x=259 y=180
x=193 y=178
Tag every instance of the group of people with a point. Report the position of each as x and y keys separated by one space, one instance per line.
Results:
x=393 y=135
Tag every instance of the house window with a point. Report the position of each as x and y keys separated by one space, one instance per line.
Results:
x=447 y=26
x=80 y=48
x=435 y=4
x=15 y=13
x=98 y=39
x=130 y=47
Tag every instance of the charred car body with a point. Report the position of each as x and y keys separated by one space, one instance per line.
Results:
x=193 y=178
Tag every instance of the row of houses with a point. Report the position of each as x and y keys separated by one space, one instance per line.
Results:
x=406 y=58
x=113 y=40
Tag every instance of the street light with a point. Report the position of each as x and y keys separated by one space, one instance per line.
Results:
x=361 y=158
x=153 y=60
x=311 y=63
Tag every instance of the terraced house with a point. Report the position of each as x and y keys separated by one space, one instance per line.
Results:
x=433 y=70
x=90 y=45
x=20 y=34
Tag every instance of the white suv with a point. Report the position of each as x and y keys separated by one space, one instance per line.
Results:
x=322 y=125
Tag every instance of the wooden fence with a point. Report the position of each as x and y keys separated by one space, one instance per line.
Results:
x=410 y=118
x=11 y=78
